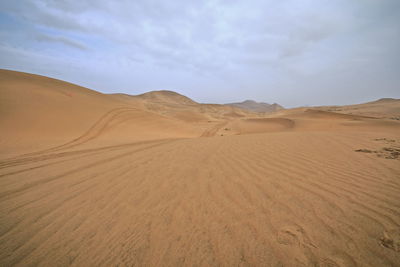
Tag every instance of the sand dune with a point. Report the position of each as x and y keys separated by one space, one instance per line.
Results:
x=39 y=112
x=88 y=179
x=388 y=108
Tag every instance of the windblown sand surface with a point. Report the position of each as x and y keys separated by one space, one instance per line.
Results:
x=88 y=179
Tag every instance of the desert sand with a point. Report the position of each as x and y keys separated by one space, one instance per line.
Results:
x=90 y=179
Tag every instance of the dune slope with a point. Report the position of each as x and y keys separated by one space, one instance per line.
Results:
x=38 y=112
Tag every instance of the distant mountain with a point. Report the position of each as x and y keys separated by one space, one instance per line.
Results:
x=256 y=106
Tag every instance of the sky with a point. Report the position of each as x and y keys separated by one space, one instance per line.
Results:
x=292 y=52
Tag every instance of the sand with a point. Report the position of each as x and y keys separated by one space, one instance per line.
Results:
x=88 y=179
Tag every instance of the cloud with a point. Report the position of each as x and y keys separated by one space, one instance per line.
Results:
x=249 y=47
x=62 y=40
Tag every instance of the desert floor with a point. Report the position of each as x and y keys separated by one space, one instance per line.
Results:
x=88 y=179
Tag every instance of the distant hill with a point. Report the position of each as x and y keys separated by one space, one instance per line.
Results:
x=166 y=96
x=256 y=106
x=384 y=100
x=388 y=108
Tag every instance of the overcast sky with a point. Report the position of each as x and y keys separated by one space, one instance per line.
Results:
x=293 y=52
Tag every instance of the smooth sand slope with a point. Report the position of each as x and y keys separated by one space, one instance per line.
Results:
x=88 y=179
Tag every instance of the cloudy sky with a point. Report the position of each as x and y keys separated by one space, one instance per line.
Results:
x=294 y=52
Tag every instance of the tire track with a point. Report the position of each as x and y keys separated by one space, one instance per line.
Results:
x=85 y=152
x=213 y=130
x=101 y=125
x=91 y=165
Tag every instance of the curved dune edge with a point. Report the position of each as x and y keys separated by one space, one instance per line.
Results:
x=88 y=179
